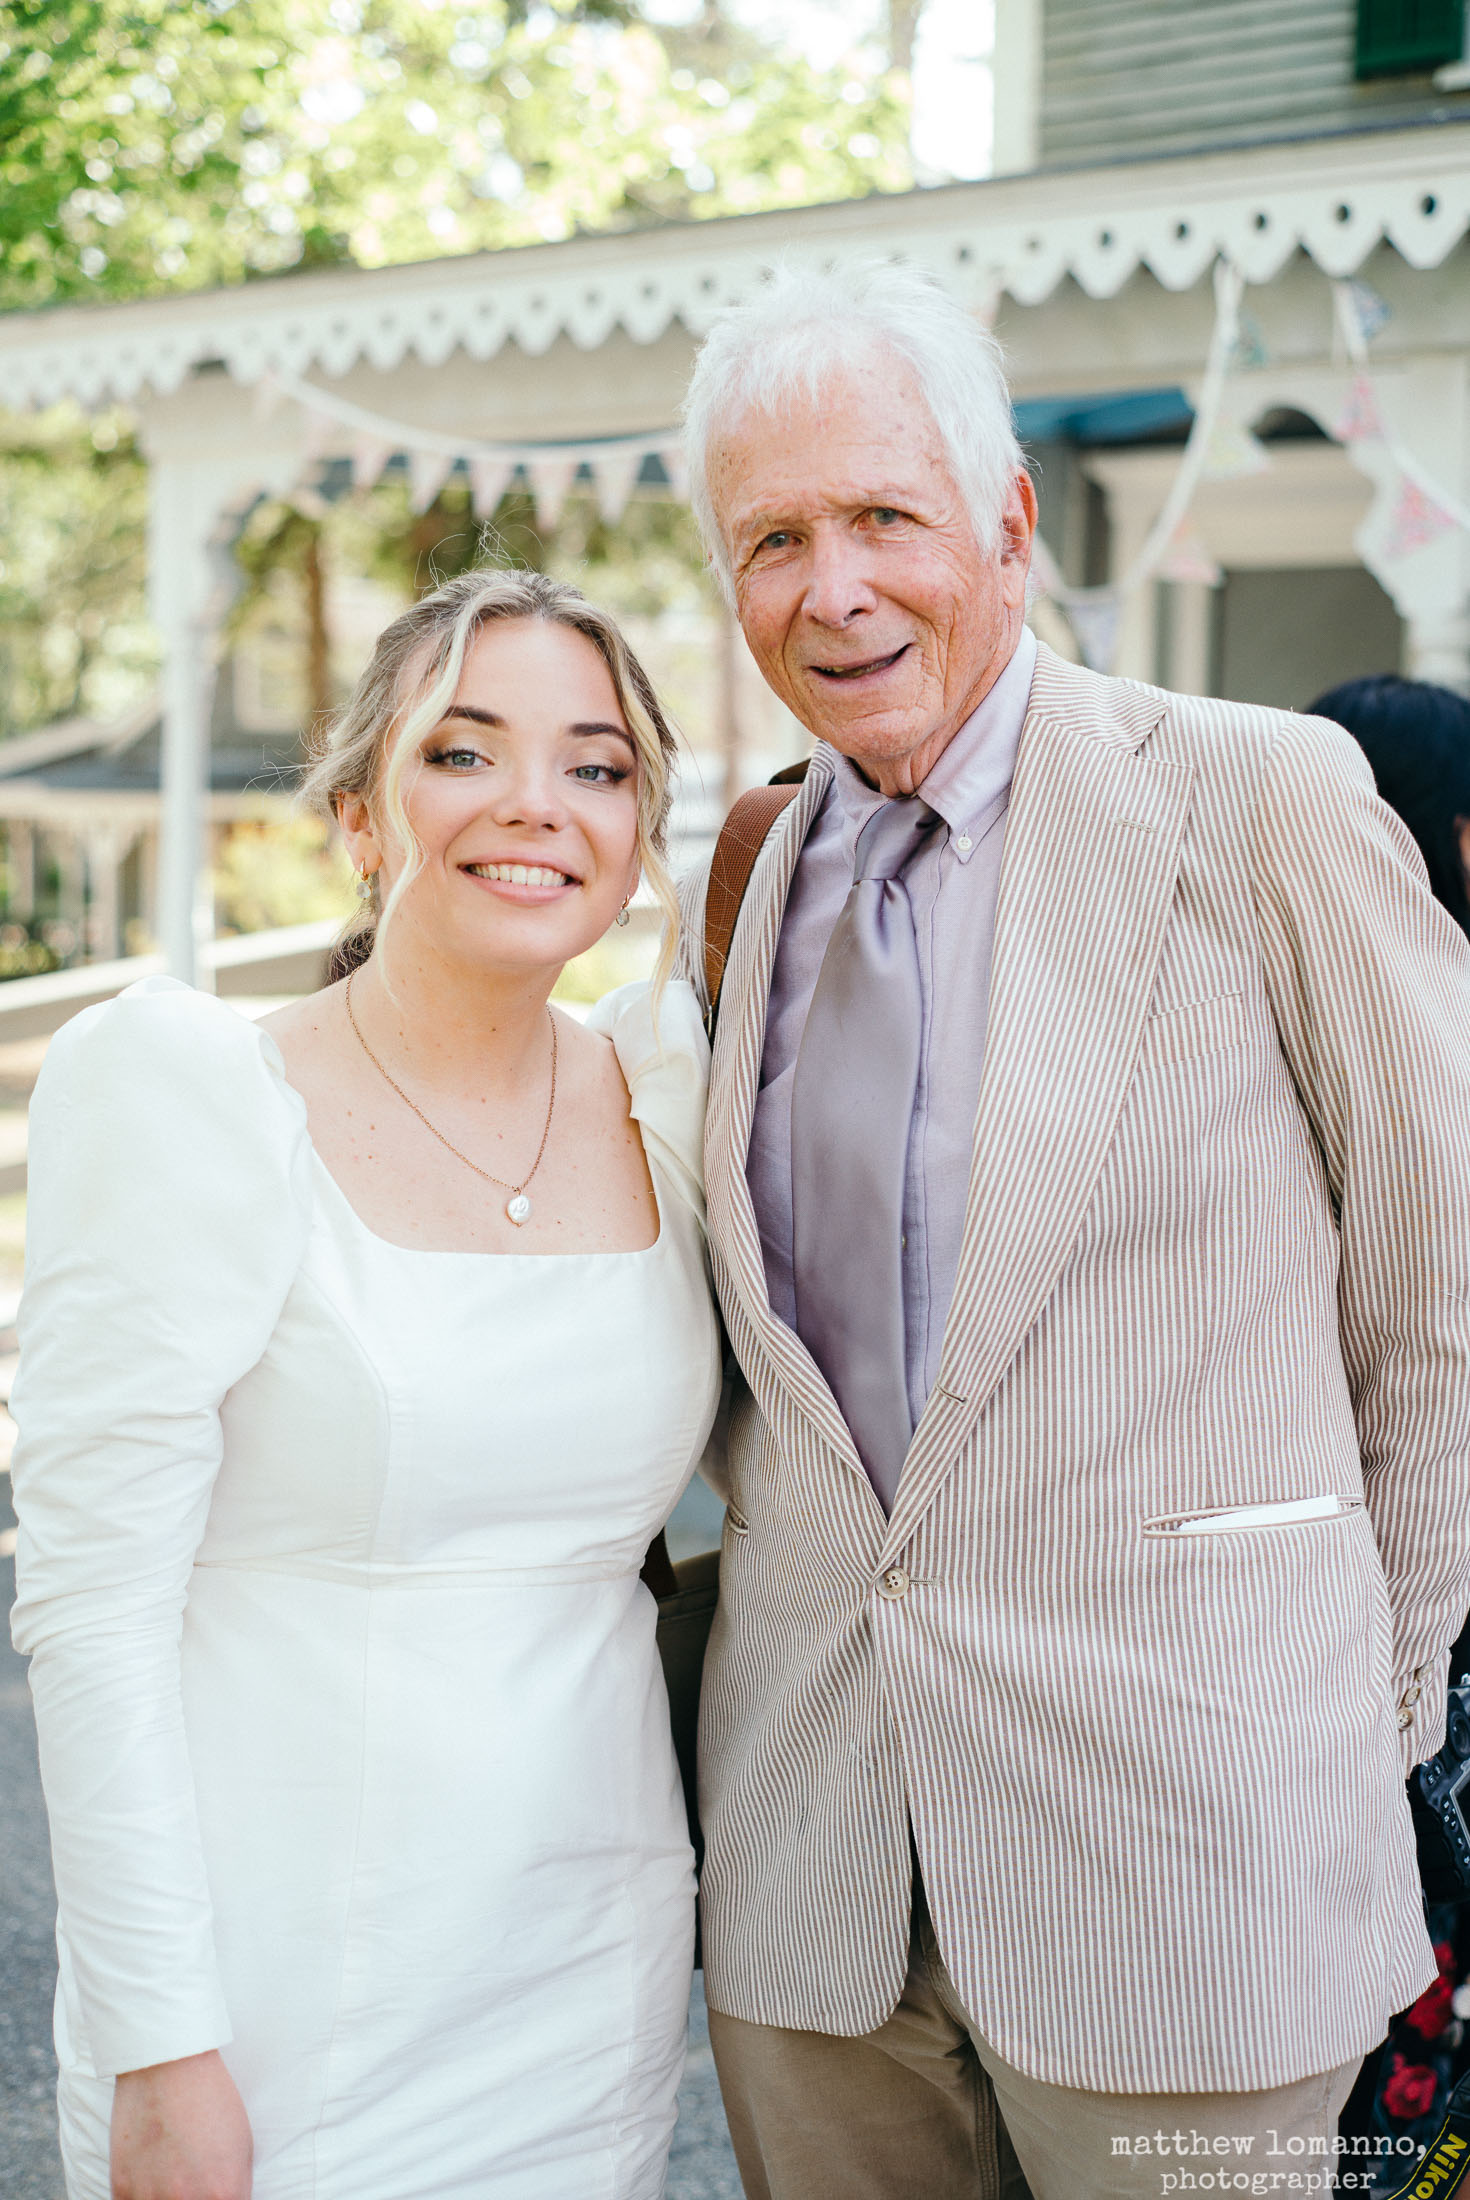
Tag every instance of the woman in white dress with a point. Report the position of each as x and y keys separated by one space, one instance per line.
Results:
x=363 y=1352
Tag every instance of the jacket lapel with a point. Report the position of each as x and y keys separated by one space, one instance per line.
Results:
x=734 y=1082
x=1091 y=855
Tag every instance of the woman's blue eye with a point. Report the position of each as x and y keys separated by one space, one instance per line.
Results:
x=458 y=759
x=591 y=775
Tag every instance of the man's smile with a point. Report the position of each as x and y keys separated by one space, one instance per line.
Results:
x=866 y=669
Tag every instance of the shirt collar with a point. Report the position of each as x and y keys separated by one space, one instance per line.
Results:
x=974 y=770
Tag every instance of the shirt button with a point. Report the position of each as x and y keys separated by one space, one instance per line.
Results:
x=964 y=844
x=893 y=1584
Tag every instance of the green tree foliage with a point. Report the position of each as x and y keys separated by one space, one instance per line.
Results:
x=74 y=639
x=149 y=144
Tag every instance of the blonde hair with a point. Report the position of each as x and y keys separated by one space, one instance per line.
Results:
x=360 y=757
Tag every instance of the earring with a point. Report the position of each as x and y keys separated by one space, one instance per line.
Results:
x=365 y=879
x=622 y=915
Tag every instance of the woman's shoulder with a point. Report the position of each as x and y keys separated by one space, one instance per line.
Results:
x=662 y=1051
x=163 y=1050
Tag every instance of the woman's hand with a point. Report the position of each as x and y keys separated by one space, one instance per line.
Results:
x=180 y=2132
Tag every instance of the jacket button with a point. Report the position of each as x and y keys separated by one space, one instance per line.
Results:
x=893 y=1584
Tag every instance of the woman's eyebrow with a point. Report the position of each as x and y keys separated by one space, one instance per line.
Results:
x=589 y=729
x=476 y=717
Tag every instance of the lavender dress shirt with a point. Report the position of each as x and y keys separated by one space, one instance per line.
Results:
x=953 y=887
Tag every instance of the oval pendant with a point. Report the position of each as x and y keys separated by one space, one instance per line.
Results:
x=519 y=1209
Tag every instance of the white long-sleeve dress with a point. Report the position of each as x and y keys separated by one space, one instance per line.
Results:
x=352 y=1727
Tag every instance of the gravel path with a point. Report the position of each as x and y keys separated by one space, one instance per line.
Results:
x=702 y=2166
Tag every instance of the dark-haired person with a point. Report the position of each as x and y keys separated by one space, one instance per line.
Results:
x=1417 y=739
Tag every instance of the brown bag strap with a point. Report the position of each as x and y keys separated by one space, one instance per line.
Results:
x=742 y=837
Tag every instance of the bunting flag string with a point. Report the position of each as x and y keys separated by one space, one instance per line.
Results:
x=612 y=464
x=1095 y=614
x=1422 y=509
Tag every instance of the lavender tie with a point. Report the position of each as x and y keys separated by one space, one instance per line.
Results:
x=852 y=1105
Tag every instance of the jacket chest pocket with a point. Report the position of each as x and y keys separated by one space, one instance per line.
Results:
x=1196 y=1028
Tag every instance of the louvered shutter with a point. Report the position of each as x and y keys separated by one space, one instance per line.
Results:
x=1408 y=37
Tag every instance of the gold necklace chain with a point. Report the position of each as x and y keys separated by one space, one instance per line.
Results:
x=517 y=1207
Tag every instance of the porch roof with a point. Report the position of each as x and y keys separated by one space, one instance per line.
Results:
x=1017 y=235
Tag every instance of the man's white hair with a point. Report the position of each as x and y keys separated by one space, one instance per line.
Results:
x=799 y=333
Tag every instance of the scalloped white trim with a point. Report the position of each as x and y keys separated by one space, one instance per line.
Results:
x=1020 y=235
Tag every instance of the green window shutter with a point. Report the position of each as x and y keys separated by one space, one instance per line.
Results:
x=1408 y=37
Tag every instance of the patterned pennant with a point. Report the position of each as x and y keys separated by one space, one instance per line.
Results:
x=427 y=473
x=1417 y=519
x=551 y=478
x=370 y=454
x=1371 y=312
x=614 y=473
x=1187 y=559
x=1249 y=349
x=1361 y=420
x=317 y=432
x=491 y=474
x=1093 y=616
x=671 y=457
x=1232 y=452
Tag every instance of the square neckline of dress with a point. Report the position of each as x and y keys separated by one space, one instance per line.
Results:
x=447 y=1252
x=277 y=1062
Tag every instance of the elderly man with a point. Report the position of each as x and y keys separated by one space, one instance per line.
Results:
x=1089 y=1186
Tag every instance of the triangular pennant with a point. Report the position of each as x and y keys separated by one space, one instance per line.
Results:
x=1249 y=349
x=1093 y=616
x=551 y=477
x=1417 y=519
x=671 y=457
x=1187 y=559
x=427 y=473
x=1361 y=420
x=491 y=474
x=1232 y=452
x=1371 y=312
x=370 y=454
x=317 y=431
x=613 y=474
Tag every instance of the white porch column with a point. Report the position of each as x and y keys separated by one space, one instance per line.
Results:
x=206 y=465
x=1438 y=648
x=187 y=602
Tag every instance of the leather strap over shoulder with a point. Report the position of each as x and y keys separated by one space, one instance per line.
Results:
x=742 y=837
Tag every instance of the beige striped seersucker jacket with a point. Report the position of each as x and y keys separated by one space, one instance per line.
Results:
x=1216 y=1254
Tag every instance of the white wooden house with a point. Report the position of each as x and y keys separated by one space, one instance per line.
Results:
x=1148 y=145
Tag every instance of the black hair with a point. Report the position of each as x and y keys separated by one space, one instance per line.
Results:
x=1417 y=739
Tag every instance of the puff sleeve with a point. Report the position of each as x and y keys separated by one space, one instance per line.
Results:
x=168 y=1209
x=664 y=1056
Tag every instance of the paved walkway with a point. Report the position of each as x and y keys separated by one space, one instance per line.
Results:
x=702 y=2166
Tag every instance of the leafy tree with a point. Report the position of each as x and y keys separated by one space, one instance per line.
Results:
x=74 y=638
x=149 y=144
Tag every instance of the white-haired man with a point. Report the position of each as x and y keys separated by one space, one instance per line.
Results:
x=1093 y=1234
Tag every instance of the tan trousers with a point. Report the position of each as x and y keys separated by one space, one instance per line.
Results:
x=923 y=2109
